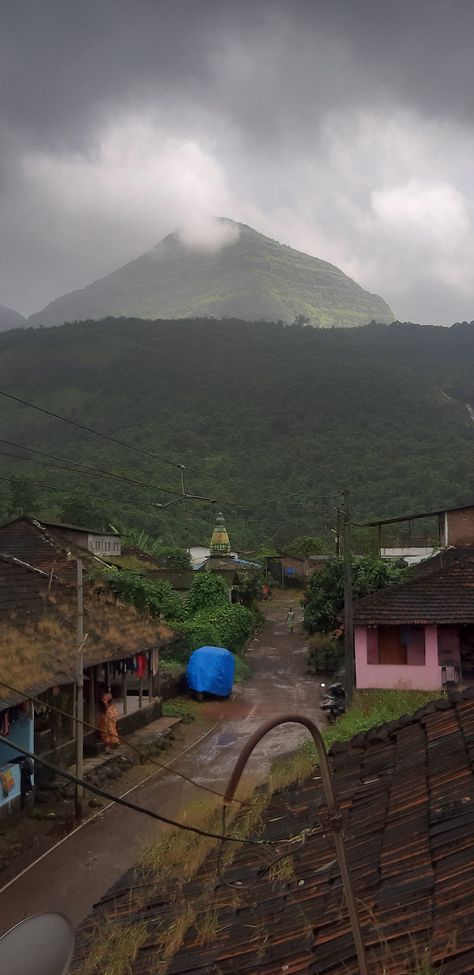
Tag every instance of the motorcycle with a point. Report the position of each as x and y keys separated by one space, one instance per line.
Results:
x=333 y=703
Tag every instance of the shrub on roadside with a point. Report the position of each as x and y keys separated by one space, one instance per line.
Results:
x=207 y=592
x=326 y=655
x=197 y=631
x=235 y=624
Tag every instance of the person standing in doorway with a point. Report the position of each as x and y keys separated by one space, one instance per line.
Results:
x=290 y=619
x=108 y=722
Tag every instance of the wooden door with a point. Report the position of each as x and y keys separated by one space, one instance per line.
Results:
x=391 y=649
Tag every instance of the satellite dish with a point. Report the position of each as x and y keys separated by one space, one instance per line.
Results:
x=39 y=945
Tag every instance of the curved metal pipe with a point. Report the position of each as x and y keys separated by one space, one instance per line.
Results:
x=335 y=818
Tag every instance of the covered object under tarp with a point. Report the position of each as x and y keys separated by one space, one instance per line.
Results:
x=211 y=670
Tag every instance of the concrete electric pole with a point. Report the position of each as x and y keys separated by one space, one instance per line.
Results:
x=79 y=689
x=348 y=616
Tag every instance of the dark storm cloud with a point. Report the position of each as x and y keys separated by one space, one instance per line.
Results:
x=344 y=128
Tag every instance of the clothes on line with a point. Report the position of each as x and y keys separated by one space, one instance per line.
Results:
x=12 y=714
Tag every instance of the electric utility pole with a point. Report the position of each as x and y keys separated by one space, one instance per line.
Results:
x=348 y=616
x=79 y=690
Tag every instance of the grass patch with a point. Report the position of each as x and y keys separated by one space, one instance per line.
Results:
x=243 y=670
x=283 y=870
x=296 y=768
x=372 y=708
x=207 y=926
x=182 y=707
x=115 y=949
x=177 y=855
x=175 y=935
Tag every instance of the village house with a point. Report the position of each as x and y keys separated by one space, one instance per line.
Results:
x=419 y=634
x=419 y=536
x=38 y=649
x=405 y=792
x=294 y=570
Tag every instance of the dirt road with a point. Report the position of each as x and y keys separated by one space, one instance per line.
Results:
x=84 y=865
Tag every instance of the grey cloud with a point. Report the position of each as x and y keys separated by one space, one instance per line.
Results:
x=343 y=128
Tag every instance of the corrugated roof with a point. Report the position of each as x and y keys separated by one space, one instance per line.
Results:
x=439 y=590
x=414 y=517
x=406 y=791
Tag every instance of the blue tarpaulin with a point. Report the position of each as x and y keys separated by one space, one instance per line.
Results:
x=211 y=670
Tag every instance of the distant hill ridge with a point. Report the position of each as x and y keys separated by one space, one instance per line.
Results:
x=282 y=418
x=11 y=319
x=250 y=277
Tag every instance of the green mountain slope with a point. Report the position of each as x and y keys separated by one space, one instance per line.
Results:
x=11 y=319
x=251 y=278
x=281 y=417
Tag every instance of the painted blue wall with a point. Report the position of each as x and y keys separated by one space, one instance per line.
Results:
x=21 y=733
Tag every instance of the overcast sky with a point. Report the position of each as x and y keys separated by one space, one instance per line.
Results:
x=342 y=127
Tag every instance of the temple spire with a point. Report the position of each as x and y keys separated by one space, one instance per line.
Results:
x=220 y=543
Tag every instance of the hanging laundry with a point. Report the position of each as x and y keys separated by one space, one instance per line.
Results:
x=141 y=665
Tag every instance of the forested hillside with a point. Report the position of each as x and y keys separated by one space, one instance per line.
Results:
x=280 y=417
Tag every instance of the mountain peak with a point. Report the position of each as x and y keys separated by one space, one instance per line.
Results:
x=220 y=268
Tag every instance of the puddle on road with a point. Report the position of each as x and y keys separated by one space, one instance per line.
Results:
x=227 y=738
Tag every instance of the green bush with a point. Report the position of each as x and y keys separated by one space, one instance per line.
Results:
x=197 y=631
x=324 y=599
x=234 y=624
x=326 y=656
x=207 y=592
x=223 y=626
x=249 y=586
x=147 y=595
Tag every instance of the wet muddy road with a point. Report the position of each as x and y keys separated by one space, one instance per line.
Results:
x=77 y=873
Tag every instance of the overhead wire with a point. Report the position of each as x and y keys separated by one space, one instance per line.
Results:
x=123 y=741
x=87 y=471
x=130 y=446
x=115 y=440
x=97 y=790
x=87 y=429
x=86 y=468
x=143 y=503
x=150 y=759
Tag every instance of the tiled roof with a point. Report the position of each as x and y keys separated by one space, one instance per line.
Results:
x=406 y=792
x=78 y=528
x=439 y=590
x=40 y=546
x=38 y=627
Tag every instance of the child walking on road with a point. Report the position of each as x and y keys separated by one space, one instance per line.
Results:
x=290 y=619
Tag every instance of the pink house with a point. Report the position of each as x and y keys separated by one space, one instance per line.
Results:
x=419 y=634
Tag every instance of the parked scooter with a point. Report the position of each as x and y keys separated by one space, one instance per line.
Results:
x=333 y=702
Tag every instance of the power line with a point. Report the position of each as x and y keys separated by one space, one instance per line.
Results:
x=114 y=440
x=130 y=805
x=123 y=443
x=133 y=748
x=143 y=503
x=96 y=433
x=86 y=471
x=86 y=468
